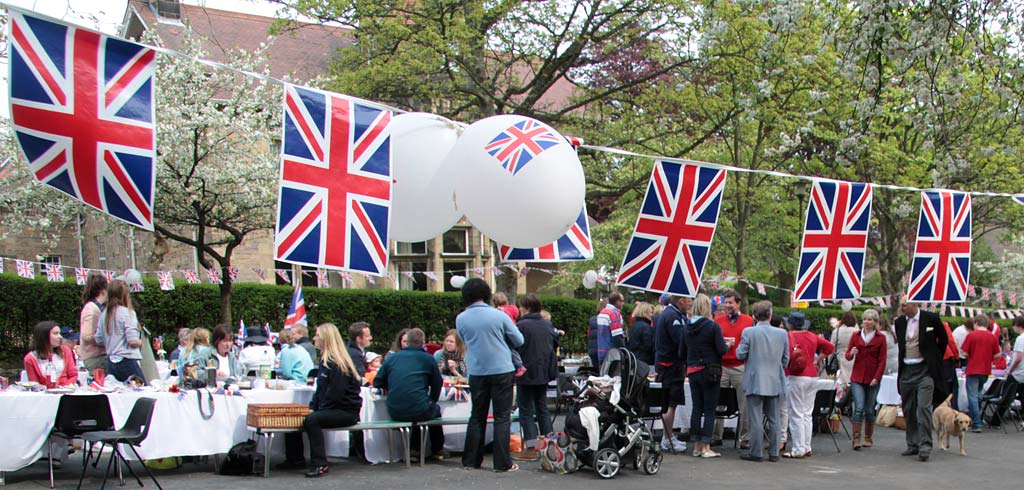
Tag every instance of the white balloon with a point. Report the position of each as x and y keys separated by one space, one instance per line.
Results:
x=531 y=207
x=132 y=276
x=457 y=281
x=847 y=305
x=590 y=276
x=589 y=283
x=423 y=195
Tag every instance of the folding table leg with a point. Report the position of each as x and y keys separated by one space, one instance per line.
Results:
x=405 y=445
x=268 y=441
x=423 y=443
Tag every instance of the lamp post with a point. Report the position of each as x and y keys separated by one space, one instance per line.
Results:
x=800 y=186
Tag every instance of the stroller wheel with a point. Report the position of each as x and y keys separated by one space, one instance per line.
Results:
x=606 y=463
x=639 y=456
x=652 y=463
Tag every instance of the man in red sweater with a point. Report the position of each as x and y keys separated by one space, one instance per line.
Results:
x=733 y=322
x=981 y=348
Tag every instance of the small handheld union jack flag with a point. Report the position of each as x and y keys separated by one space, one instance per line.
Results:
x=81 y=276
x=574 y=245
x=674 y=229
x=520 y=143
x=166 y=280
x=214 y=275
x=82 y=107
x=25 y=269
x=297 y=312
x=191 y=277
x=941 y=269
x=54 y=273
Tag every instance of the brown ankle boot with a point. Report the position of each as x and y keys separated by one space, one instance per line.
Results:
x=869 y=430
x=856 y=436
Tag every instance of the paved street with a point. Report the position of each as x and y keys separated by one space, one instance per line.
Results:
x=993 y=458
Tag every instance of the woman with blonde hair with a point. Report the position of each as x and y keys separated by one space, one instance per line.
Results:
x=451 y=359
x=336 y=402
x=198 y=348
x=118 y=331
x=294 y=361
x=641 y=333
x=704 y=346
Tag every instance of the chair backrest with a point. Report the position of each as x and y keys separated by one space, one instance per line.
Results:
x=78 y=414
x=728 y=405
x=139 y=420
x=432 y=347
x=313 y=373
x=994 y=389
x=1008 y=391
x=824 y=403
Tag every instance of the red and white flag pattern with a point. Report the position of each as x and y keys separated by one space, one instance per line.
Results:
x=25 y=269
x=213 y=275
x=54 y=273
x=166 y=280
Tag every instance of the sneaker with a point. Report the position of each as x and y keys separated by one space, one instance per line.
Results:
x=666 y=445
x=440 y=455
x=697 y=453
x=317 y=472
x=678 y=445
x=510 y=469
x=707 y=453
x=519 y=373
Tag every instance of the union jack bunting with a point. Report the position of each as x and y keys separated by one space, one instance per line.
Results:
x=191 y=277
x=724 y=274
x=322 y=280
x=81 y=276
x=497 y=271
x=166 y=280
x=346 y=278
x=232 y=274
x=297 y=311
x=214 y=275
x=760 y=289
x=517 y=145
x=335 y=188
x=82 y=109
x=1013 y=299
x=941 y=267
x=410 y=275
x=136 y=287
x=984 y=293
x=674 y=230
x=971 y=290
x=283 y=274
x=835 y=240
x=1000 y=297
x=575 y=244
x=109 y=275
x=54 y=273
x=2 y=267
x=369 y=279
x=431 y=275
x=25 y=269
x=262 y=274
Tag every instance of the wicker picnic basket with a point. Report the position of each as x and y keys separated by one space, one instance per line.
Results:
x=276 y=415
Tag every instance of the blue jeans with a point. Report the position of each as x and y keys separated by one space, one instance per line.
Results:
x=122 y=370
x=863 y=402
x=704 y=395
x=533 y=412
x=974 y=384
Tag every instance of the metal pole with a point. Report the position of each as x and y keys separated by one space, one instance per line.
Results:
x=131 y=236
x=78 y=227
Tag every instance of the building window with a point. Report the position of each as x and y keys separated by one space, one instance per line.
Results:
x=419 y=279
x=308 y=274
x=453 y=269
x=46 y=260
x=414 y=248
x=455 y=242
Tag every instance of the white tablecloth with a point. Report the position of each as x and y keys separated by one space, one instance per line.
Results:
x=889 y=394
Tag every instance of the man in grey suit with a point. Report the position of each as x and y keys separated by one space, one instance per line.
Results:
x=766 y=352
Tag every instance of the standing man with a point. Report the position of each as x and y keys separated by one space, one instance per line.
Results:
x=766 y=352
x=670 y=366
x=922 y=343
x=981 y=349
x=488 y=333
x=359 y=339
x=609 y=327
x=733 y=323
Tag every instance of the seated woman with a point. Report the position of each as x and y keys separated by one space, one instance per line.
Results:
x=295 y=361
x=198 y=350
x=223 y=357
x=451 y=359
x=184 y=341
x=50 y=363
x=336 y=403
x=398 y=344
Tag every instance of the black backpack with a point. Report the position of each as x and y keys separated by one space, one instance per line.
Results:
x=243 y=460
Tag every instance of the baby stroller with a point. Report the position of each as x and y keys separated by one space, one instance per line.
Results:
x=613 y=410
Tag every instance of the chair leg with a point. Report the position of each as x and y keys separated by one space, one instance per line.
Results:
x=85 y=464
x=110 y=462
x=49 y=456
x=121 y=459
x=148 y=471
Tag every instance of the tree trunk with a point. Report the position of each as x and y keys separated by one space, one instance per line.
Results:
x=226 y=290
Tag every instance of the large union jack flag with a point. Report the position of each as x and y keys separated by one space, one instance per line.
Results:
x=1019 y=199
x=574 y=245
x=674 y=230
x=521 y=142
x=335 y=192
x=835 y=238
x=941 y=268
x=83 y=112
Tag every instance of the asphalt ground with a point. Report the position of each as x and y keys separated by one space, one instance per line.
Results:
x=993 y=462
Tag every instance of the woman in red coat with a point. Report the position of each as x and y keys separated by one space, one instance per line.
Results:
x=50 y=363
x=868 y=352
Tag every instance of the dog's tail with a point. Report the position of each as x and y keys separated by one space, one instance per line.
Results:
x=946 y=401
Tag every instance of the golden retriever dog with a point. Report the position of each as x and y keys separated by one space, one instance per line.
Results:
x=949 y=422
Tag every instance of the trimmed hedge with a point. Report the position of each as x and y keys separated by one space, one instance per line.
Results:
x=26 y=302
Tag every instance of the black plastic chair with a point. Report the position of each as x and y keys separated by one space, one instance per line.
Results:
x=132 y=433
x=999 y=394
x=729 y=408
x=76 y=415
x=824 y=408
